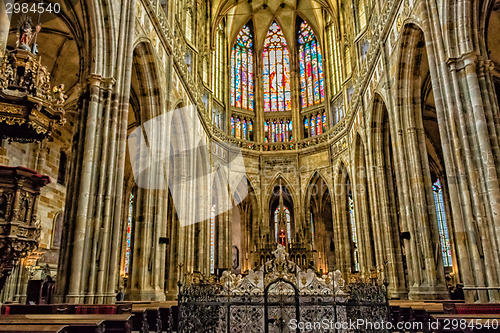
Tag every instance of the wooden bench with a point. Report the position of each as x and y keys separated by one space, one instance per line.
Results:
x=35 y=309
x=110 y=323
x=152 y=316
x=167 y=320
x=66 y=309
x=73 y=326
x=161 y=316
x=140 y=321
x=34 y=328
x=475 y=308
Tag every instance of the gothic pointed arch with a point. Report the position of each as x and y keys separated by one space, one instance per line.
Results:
x=312 y=90
x=276 y=71
x=361 y=190
x=242 y=69
x=389 y=197
x=346 y=227
x=244 y=231
x=281 y=213
x=425 y=140
x=319 y=226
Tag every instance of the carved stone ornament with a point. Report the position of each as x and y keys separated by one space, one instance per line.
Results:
x=30 y=106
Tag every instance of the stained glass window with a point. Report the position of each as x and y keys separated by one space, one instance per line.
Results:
x=335 y=60
x=232 y=126
x=338 y=110
x=354 y=234
x=362 y=14
x=218 y=64
x=311 y=67
x=278 y=131
x=276 y=66
x=189 y=25
x=348 y=66
x=442 y=224
x=266 y=131
x=212 y=240
x=250 y=130
x=315 y=125
x=319 y=125
x=286 y=219
x=312 y=229
x=242 y=70
x=205 y=71
x=288 y=224
x=276 y=219
x=364 y=50
x=129 y=231
x=238 y=128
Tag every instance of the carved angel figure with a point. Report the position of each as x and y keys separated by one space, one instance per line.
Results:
x=44 y=78
x=59 y=97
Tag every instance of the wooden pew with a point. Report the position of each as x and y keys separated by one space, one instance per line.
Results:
x=66 y=309
x=119 y=323
x=167 y=320
x=73 y=326
x=35 y=309
x=34 y=328
x=140 y=321
x=152 y=316
x=475 y=308
x=111 y=323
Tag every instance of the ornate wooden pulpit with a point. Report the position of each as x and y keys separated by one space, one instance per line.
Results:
x=19 y=228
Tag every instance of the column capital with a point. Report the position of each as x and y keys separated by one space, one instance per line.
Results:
x=95 y=80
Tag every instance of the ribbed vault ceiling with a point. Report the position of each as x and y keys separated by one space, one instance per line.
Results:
x=264 y=12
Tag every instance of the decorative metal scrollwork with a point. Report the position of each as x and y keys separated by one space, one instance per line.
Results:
x=270 y=298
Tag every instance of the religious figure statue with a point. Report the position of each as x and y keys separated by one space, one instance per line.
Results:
x=338 y=281
x=27 y=38
x=280 y=254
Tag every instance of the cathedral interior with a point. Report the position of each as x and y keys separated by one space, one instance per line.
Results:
x=145 y=140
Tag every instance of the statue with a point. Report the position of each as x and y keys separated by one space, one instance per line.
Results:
x=27 y=37
x=60 y=97
x=338 y=281
x=280 y=254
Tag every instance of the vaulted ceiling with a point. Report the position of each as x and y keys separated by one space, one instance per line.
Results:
x=264 y=12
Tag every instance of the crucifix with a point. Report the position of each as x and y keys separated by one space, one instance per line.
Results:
x=282 y=238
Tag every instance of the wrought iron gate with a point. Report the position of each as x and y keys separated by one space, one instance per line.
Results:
x=276 y=299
